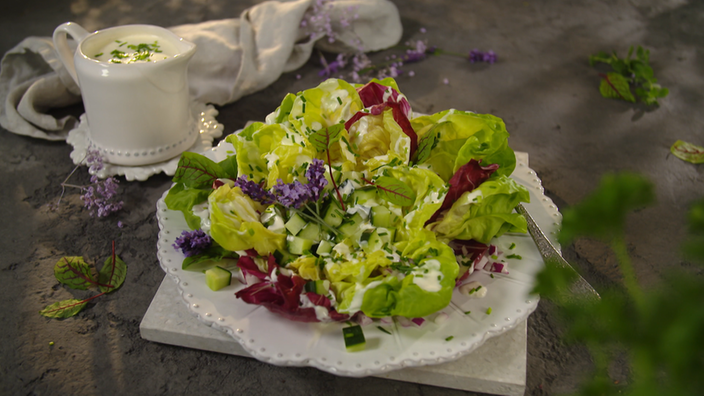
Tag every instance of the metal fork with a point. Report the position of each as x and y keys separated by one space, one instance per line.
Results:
x=551 y=256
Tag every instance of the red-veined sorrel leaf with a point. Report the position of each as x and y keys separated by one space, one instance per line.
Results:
x=614 y=85
x=688 y=152
x=395 y=191
x=63 y=309
x=112 y=274
x=73 y=272
x=324 y=137
x=197 y=171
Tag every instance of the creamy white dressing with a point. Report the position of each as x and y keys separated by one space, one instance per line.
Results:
x=271 y=159
x=321 y=313
x=137 y=48
x=202 y=210
x=428 y=276
x=473 y=289
x=358 y=298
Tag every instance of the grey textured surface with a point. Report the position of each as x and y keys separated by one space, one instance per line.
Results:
x=542 y=87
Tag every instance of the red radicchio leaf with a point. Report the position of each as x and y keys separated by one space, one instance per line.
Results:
x=372 y=94
x=468 y=177
x=283 y=296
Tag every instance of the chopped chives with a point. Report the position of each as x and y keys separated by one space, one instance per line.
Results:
x=488 y=311
x=468 y=312
x=381 y=328
x=513 y=246
x=449 y=338
x=516 y=256
x=339 y=100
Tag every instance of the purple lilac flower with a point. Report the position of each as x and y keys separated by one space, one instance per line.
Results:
x=332 y=67
x=418 y=53
x=478 y=56
x=99 y=197
x=294 y=194
x=94 y=160
x=316 y=179
x=192 y=243
x=254 y=190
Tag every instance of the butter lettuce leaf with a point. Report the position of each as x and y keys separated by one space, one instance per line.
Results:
x=462 y=136
x=426 y=288
x=235 y=224
x=484 y=213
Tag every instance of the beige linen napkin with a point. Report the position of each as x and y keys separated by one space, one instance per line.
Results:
x=235 y=57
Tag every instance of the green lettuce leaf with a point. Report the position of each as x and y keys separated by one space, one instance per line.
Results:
x=484 y=213
x=426 y=288
x=332 y=102
x=235 y=224
x=462 y=136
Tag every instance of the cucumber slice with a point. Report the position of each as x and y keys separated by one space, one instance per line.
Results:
x=217 y=277
x=387 y=235
x=382 y=217
x=354 y=338
x=283 y=257
x=333 y=215
x=363 y=195
x=317 y=286
x=373 y=242
x=310 y=231
x=299 y=246
x=324 y=247
x=295 y=224
x=350 y=226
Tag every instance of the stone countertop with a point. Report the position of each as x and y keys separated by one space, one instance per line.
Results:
x=543 y=88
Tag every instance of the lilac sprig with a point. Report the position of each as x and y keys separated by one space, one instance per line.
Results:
x=255 y=191
x=316 y=179
x=193 y=243
x=100 y=196
x=476 y=56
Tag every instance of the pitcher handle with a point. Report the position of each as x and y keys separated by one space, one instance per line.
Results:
x=61 y=44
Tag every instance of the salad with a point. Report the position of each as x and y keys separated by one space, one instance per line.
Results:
x=342 y=205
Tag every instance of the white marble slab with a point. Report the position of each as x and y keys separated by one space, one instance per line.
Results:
x=498 y=366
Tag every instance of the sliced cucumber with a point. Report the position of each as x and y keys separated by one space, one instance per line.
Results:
x=299 y=246
x=217 y=277
x=363 y=195
x=317 y=286
x=310 y=231
x=324 y=247
x=283 y=257
x=333 y=214
x=295 y=224
x=350 y=226
x=382 y=217
x=373 y=241
x=387 y=235
x=354 y=338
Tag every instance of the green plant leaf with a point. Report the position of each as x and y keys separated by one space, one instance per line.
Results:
x=209 y=258
x=395 y=191
x=602 y=214
x=63 y=309
x=73 y=272
x=197 y=171
x=694 y=246
x=182 y=198
x=112 y=274
x=229 y=166
x=688 y=152
x=324 y=137
x=615 y=86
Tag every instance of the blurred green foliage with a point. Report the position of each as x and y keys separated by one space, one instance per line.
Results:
x=661 y=330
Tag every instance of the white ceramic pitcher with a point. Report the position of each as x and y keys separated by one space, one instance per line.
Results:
x=138 y=113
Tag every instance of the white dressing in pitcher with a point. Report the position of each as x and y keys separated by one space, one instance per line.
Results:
x=136 y=48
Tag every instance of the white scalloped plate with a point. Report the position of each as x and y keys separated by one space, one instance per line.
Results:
x=273 y=339
x=206 y=124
